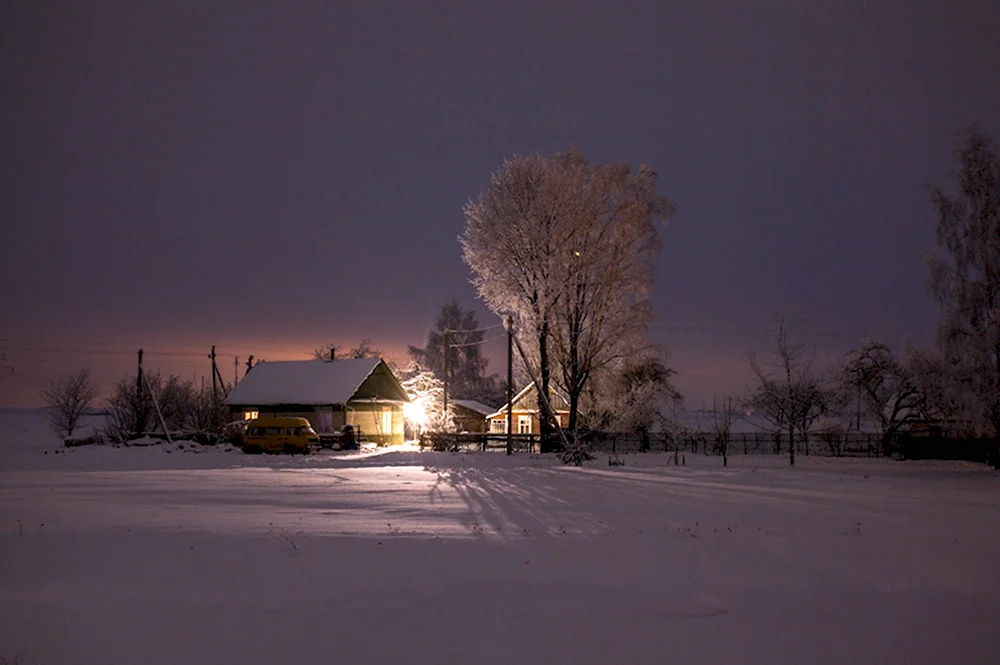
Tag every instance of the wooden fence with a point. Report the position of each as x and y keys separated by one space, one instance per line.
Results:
x=522 y=443
x=826 y=444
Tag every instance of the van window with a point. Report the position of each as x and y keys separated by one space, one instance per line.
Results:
x=274 y=430
x=256 y=431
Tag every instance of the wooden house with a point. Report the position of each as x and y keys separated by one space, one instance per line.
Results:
x=363 y=393
x=525 y=411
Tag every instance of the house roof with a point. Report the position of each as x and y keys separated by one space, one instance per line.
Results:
x=524 y=391
x=307 y=382
x=473 y=405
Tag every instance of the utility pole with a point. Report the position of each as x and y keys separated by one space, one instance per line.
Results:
x=333 y=352
x=140 y=412
x=222 y=382
x=236 y=370
x=510 y=384
x=215 y=383
x=447 y=344
x=249 y=365
x=545 y=398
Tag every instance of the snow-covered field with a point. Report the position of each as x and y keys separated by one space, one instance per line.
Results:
x=198 y=555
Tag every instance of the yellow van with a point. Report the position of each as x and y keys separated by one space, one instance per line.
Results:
x=279 y=435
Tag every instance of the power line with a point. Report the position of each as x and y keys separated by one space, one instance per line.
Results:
x=471 y=330
x=482 y=341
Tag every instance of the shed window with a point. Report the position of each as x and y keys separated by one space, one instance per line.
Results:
x=251 y=415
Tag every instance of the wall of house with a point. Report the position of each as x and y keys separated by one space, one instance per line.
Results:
x=364 y=415
x=468 y=420
x=264 y=412
x=368 y=416
x=333 y=422
x=535 y=423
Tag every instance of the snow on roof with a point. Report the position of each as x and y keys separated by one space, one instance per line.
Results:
x=521 y=393
x=308 y=382
x=473 y=405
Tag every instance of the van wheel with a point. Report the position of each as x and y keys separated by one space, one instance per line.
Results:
x=289 y=449
x=252 y=449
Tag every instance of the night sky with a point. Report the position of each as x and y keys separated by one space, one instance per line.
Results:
x=270 y=176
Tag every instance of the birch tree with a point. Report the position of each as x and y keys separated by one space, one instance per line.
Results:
x=967 y=281
x=567 y=249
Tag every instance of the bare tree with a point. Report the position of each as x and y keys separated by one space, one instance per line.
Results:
x=364 y=349
x=723 y=416
x=325 y=352
x=790 y=395
x=67 y=399
x=566 y=248
x=128 y=409
x=947 y=383
x=967 y=283
x=885 y=389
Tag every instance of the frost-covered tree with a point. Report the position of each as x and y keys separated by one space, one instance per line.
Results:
x=566 y=248
x=967 y=282
x=611 y=245
x=67 y=399
x=425 y=410
x=512 y=241
x=634 y=395
x=887 y=394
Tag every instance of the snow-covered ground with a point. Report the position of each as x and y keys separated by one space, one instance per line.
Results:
x=202 y=555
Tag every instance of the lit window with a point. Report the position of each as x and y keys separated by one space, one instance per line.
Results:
x=250 y=415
